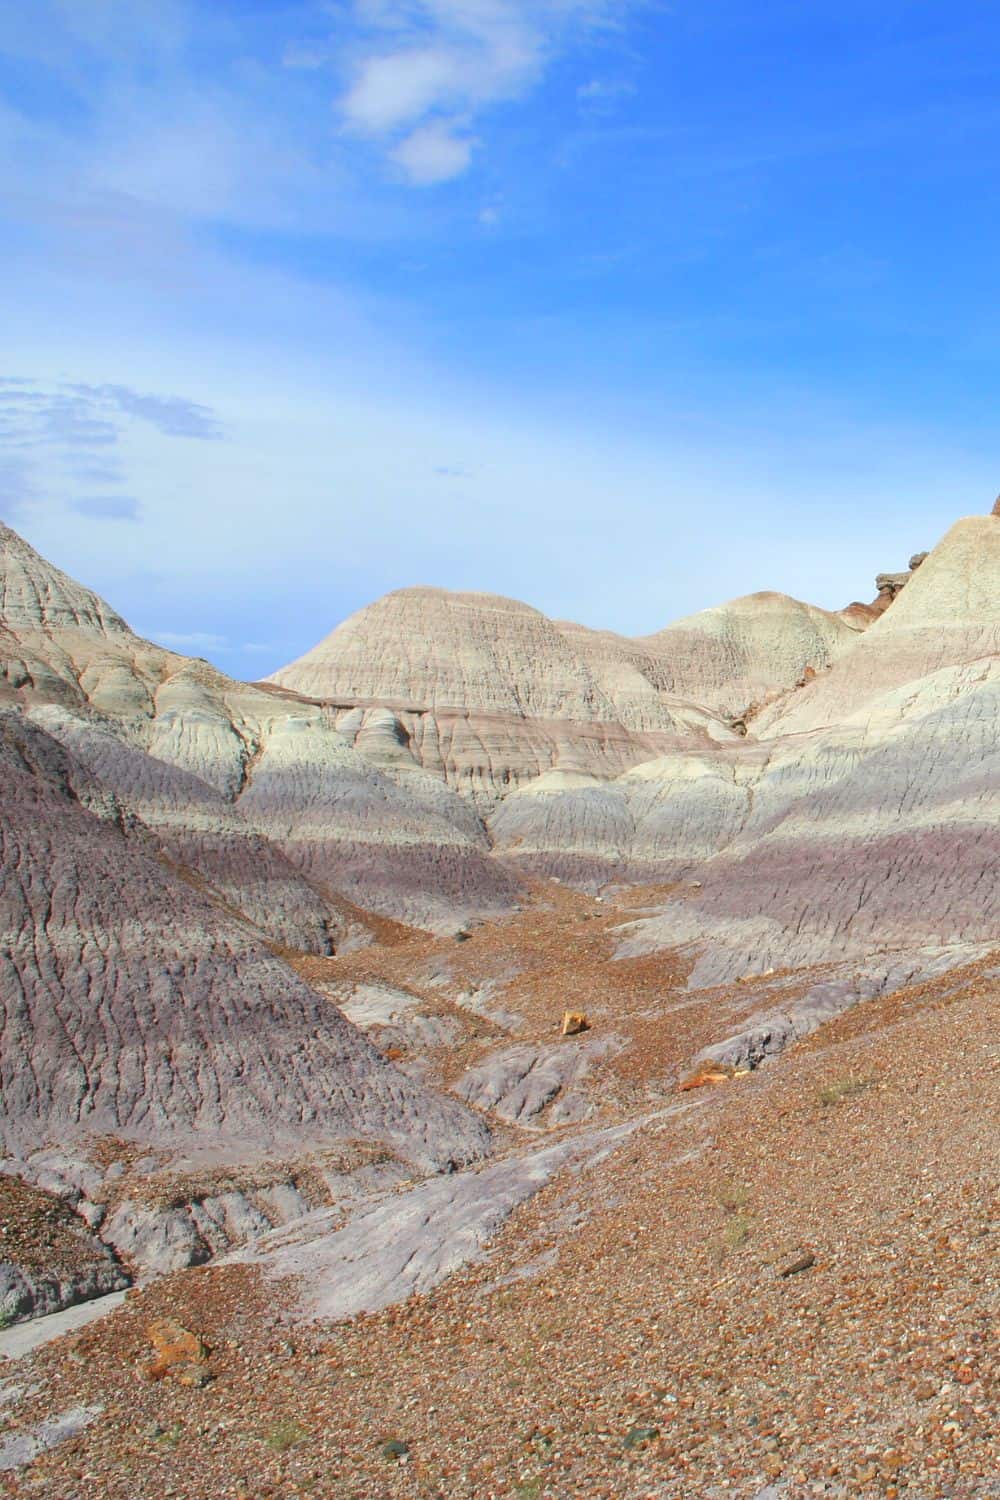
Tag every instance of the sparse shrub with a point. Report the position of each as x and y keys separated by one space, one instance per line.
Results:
x=284 y=1435
x=168 y=1436
x=732 y=1196
x=844 y=1088
x=737 y=1230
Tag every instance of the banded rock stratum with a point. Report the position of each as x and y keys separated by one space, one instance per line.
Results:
x=809 y=792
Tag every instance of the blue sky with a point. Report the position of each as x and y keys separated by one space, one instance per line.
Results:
x=620 y=308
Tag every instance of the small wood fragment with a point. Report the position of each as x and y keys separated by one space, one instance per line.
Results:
x=803 y=1263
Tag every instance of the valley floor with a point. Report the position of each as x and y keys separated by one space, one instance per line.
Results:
x=783 y=1286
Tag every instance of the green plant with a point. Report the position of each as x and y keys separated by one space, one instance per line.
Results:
x=284 y=1435
x=732 y=1195
x=737 y=1230
x=844 y=1088
x=638 y=1437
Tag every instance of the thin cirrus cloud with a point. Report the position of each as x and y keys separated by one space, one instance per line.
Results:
x=423 y=73
x=192 y=640
x=18 y=490
x=174 y=416
x=108 y=507
x=58 y=438
x=600 y=96
x=206 y=640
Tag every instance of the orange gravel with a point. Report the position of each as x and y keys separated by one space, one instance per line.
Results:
x=631 y=1333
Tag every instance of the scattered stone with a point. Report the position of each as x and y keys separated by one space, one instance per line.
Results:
x=395 y=1451
x=180 y=1354
x=709 y=1077
x=804 y=1262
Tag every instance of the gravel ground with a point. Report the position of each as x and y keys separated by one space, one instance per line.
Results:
x=39 y=1232
x=632 y=1333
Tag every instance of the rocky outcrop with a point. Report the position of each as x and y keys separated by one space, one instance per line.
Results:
x=410 y=1242
x=526 y=1084
x=390 y=837
x=947 y=616
x=858 y=815
x=49 y=1258
x=891 y=585
x=35 y=596
x=200 y=833
x=839 y=820
x=813 y=790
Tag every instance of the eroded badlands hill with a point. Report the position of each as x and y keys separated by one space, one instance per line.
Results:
x=166 y=837
x=764 y=830
x=872 y=826
x=491 y=694
x=828 y=788
x=131 y=1005
x=254 y=790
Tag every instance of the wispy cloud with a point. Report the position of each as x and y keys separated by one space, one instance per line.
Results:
x=172 y=415
x=108 y=507
x=69 y=435
x=424 y=72
x=206 y=640
x=601 y=96
x=192 y=640
x=17 y=487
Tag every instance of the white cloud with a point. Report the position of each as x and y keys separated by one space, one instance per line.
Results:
x=433 y=153
x=601 y=95
x=401 y=87
x=191 y=640
x=431 y=67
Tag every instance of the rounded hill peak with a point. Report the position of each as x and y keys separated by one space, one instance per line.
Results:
x=35 y=595
x=441 y=649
